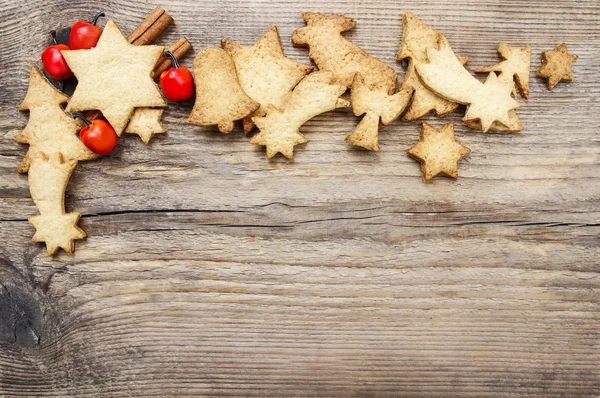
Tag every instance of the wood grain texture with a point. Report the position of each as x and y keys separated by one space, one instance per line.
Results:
x=210 y=271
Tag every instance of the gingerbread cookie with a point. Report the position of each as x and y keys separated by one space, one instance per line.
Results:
x=114 y=77
x=317 y=93
x=515 y=66
x=145 y=122
x=487 y=102
x=48 y=179
x=265 y=73
x=49 y=129
x=379 y=107
x=438 y=151
x=220 y=100
x=557 y=66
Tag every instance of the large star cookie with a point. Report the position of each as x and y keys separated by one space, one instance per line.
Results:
x=49 y=129
x=264 y=72
x=48 y=178
x=557 y=66
x=438 y=151
x=114 y=77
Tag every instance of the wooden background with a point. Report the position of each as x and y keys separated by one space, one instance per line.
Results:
x=211 y=271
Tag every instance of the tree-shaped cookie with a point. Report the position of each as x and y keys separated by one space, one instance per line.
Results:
x=557 y=66
x=49 y=129
x=48 y=178
x=516 y=65
x=220 y=100
x=145 y=122
x=114 y=77
x=487 y=102
x=317 y=93
x=264 y=72
x=438 y=151
x=417 y=38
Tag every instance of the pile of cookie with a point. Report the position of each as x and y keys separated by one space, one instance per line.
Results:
x=269 y=91
x=261 y=87
x=115 y=84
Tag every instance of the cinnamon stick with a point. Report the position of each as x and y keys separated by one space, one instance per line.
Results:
x=179 y=49
x=151 y=27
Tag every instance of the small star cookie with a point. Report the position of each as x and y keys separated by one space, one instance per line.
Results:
x=48 y=179
x=438 y=151
x=220 y=100
x=145 y=122
x=114 y=77
x=264 y=72
x=557 y=66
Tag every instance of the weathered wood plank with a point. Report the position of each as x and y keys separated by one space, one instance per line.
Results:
x=210 y=271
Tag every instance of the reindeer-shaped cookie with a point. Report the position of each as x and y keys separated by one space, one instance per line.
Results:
x=334 y=53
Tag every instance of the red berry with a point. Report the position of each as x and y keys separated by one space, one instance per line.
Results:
x=177 y=83
x=99 y=136
x=84 y=35
x=54 y=62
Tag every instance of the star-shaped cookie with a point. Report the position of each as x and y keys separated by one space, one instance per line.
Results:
x=438 y=151
x=49 y=129
x=145 y=122
x=515 y=66
x=264 y=72
x=114 y=77
x=556 y=66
